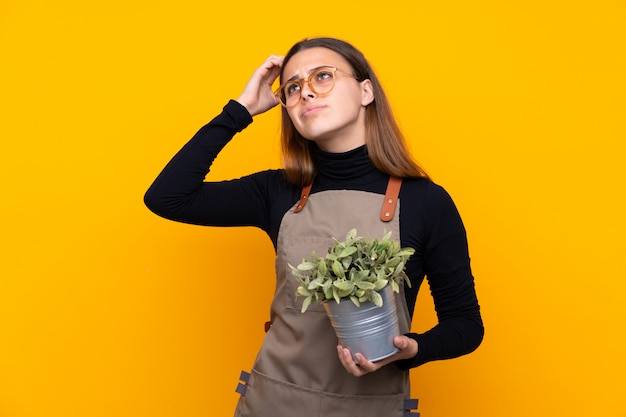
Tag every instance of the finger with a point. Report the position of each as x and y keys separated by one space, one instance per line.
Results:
x=273 y=62
x=270 y=70
x=407 y=346
x=276 y=59
x=346 y=360
x=365 y=364
x=400 y=342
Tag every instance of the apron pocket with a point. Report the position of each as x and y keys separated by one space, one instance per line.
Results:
x=267 y=397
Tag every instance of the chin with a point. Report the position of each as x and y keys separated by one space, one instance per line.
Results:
x=314 y=136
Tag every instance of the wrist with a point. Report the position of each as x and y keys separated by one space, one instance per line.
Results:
x=241 y=100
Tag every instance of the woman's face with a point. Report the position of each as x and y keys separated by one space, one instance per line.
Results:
x=335 y=121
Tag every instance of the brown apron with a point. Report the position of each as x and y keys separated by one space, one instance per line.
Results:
x=297 y=371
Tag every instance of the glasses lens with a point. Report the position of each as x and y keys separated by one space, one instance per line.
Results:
x=323 y=80
x=290 y=94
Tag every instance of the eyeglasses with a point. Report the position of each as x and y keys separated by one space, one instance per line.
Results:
x=321 y=81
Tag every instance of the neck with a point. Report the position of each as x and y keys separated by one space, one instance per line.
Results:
x=339 y=145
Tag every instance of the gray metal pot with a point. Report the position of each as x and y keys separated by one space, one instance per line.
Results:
x=367 y=329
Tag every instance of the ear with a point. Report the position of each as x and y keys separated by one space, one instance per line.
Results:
x=367 y=92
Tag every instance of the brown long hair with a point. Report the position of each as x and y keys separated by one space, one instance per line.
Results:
x=385 y=143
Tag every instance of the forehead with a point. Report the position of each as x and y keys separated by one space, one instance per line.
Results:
x=304 y=61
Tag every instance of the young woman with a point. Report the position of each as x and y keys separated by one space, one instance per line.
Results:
x=338 y=135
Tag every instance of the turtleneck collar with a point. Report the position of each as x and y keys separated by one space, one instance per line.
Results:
x=352 y=167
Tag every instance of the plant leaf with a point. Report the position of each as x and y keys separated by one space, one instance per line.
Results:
x=345 y=263
x=306 y=303
x=393 y=262
x=406 y=279
x=328 y=291
x=377 y=299
x=348 y=251
x=301 y=291
x=316 y=283
x=362 y=275
x=366 y=285
x=399 y=269
x=306 y=266
x=336 y=295
x=338 y=269
x=321 y=267
x=344 y=285
x=406 y=252
x=380 y=284
x=355 y=301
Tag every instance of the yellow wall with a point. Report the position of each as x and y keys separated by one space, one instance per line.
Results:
x=516 y=107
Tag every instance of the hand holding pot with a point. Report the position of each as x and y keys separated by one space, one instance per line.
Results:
x=407 y=349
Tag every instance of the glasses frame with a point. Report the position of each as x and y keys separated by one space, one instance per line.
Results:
x=307 y=80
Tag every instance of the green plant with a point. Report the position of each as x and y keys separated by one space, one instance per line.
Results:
x=355 y=268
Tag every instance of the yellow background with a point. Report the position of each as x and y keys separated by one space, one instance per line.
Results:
x=516 y=107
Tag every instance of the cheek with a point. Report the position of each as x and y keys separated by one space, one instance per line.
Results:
x=349 y=98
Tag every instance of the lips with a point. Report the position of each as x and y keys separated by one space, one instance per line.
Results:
x=311 y=109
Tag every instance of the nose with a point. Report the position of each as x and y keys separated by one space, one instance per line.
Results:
x=306 y=91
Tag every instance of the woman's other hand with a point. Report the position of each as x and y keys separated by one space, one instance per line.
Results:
x=407 y=349
x=258 y=97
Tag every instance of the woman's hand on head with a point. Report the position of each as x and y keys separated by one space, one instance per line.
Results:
x=258 y=97
x=407 y=348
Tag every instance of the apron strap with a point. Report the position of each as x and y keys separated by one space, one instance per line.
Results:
x=306 y=190
x=389 y=203
x=391 y=198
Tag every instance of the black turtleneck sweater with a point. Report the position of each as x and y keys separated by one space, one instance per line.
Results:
x=429 y=222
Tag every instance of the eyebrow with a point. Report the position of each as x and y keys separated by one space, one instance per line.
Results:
x=295 y=77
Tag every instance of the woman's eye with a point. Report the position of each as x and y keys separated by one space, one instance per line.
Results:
x=292 y=89
x=323 y=75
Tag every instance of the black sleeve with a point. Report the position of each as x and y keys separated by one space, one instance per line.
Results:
x=180 y=193
x=446 y=264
